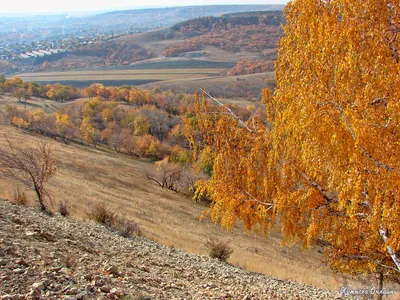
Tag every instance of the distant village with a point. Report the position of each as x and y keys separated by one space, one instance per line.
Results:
x=43 y=48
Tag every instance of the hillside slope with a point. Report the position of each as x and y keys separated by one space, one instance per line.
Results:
x=44 y=257
x=86 y=176
x=253 y=32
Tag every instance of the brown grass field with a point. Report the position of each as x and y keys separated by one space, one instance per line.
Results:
x=87 y=176
x=46 y=105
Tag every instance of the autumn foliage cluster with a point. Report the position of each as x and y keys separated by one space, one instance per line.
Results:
x=326 y=163
x=25 y=90
x=142 y=130
x=250 y=66
x=136 y=121
x=240 y=38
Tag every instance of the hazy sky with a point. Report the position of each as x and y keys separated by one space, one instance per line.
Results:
x=35 y=6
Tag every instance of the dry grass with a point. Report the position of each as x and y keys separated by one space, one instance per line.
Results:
x=87 y=175
x=48 y=106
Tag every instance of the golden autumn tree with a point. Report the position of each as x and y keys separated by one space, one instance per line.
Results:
x=64 y=127
x=328 y=161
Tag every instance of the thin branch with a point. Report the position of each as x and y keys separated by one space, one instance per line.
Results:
x=360 y=257
x=258 y=201
x=241 y=122
x=366 y=153
x=379 y=100
x=313 y=183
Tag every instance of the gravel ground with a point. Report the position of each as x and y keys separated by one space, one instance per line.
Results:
x=43 y=257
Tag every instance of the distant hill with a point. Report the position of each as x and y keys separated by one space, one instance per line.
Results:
x=254 y=32
x=114 y=51
x=162 y=17
x=226 y=21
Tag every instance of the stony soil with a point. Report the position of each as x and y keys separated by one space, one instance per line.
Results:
x=44 y=257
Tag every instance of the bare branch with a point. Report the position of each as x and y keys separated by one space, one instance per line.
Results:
x=33 y=167
x=241 y=122
x=258 y=201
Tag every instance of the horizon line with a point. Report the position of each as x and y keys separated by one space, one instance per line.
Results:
x=126 y=8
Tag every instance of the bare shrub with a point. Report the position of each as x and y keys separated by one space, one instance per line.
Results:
x=64 y=208
x=20 y=198
x=168 y=176
x=124 y=227
x=102 y=214
x=219 y=249
x=127 y=228
x=69 y=260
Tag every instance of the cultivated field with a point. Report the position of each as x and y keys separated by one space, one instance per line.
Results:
x=87 y=176
x=117 y=76
x=250 y=85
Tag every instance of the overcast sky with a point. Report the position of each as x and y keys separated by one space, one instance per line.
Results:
x=35 y=6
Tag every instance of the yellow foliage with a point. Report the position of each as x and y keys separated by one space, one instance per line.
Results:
x=328 y=163
x=20 y=122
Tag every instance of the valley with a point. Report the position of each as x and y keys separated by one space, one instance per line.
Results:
x=163 y=114
x=87 y=176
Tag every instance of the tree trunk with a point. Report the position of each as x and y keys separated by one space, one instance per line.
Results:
x=380 y=285
x=39 y=194
x=396 y=259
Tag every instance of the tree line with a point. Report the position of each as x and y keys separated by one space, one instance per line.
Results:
x=24 y=90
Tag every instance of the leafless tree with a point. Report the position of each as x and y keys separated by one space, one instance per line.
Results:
x=168 y=176
x=32 y=167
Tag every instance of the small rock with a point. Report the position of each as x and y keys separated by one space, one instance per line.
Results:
x=32 y=234
x=73 y=291
x=34 y=293
x=55 y=269
x=47 y=236
x=22 y=262
x=105 y=289
x=88 y=277
x=99 y=282
x=18 y=271
x=112 y=270
x=3 y=262
x=83 y=296
x=46 y=282
x=38 y=286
